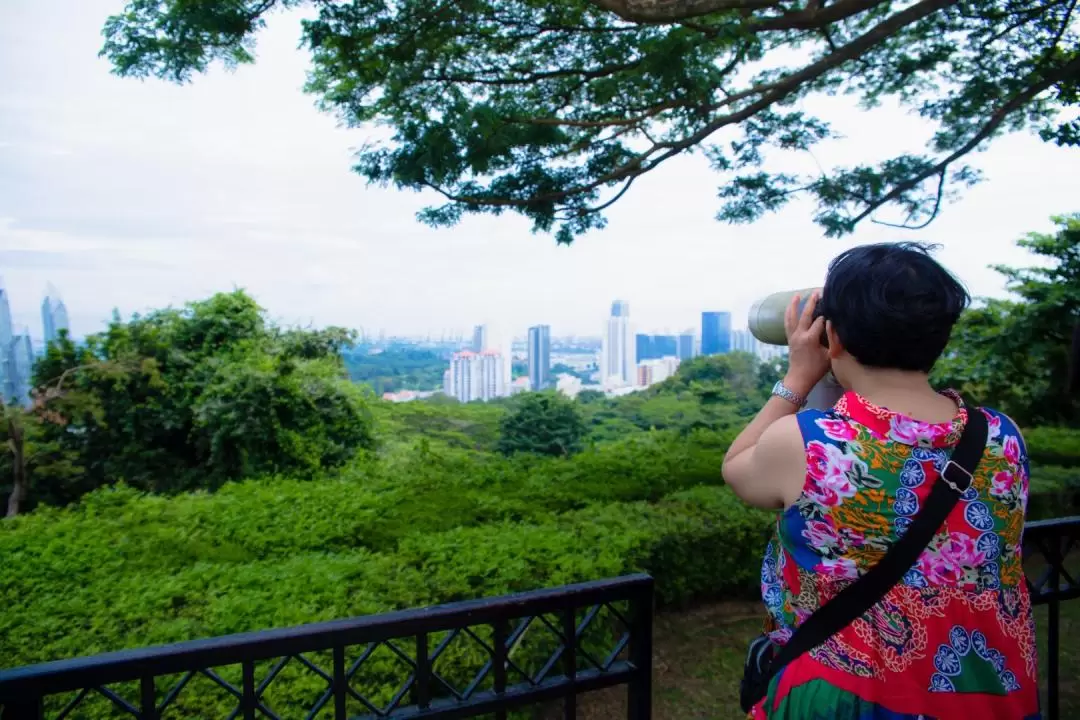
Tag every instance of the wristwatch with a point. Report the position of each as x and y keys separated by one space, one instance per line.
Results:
x=781 y=390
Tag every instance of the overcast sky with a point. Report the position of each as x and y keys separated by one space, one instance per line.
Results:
x=136 y=195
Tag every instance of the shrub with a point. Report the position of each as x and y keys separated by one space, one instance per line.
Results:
x=1053 y=446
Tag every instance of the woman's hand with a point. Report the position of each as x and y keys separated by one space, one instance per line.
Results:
x=808 y=359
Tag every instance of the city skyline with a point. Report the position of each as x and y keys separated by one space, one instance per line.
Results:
x=99 y=204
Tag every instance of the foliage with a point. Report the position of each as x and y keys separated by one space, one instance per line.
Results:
x=1054 y=446
x=717 y=392
x=553 y=110
x=434 y=515
x=544 y=423
x=1014 y=355
x=189 y=398
x=396 y=369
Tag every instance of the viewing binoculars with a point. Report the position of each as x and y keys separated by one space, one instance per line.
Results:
x=766 y=323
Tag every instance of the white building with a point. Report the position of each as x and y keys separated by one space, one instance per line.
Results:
x=617 y=355
x=568 y=385
x=744 y=341
x=650 y=372
x=476 y=376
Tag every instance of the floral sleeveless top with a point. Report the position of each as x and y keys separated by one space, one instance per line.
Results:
x=956 y=637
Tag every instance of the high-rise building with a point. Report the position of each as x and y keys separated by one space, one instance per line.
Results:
x=480 y=338
x=715 y=333
x=7 y=385
x=475 y=376
x=22 y=367
x=617 y=362
x=650 y=372
x=54 y=315
x=539 y=357
x=653 y=347
x=744 y=341
x=687 y=341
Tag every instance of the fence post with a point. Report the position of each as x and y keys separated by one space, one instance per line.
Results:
x=500 y=637
x=569 y=631
x=639 y=693
x=23 y=709
x=1054 y=628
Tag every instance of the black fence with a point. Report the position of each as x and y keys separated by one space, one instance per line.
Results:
x=525 y=649
x=1051 y=548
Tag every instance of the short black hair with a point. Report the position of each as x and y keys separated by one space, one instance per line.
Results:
x=892 y=305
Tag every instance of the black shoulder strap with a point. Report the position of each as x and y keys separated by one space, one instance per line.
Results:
x=864 y=593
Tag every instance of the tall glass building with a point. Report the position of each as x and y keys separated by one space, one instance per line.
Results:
x=54 y=315
x=539 y=357
x=686 y=345
x=654 y=347
x=715 y=333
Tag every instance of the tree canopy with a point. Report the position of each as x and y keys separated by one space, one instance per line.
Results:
x=554 y=109
x=1014 y=354
x=184 y=399
x=542 y=423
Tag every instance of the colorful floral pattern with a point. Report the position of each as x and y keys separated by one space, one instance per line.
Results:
x=956 y=636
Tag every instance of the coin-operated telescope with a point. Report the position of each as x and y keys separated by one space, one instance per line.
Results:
x=766 y=323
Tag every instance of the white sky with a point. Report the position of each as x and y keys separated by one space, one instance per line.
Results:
x=136 y=195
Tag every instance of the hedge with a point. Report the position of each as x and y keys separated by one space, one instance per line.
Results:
x=122 y=570
x=1053 y=446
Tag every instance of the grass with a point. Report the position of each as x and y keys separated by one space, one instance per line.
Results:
x=698 y=656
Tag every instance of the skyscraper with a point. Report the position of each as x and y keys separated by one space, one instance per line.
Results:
x=617 y=362
x=22 y=367
x=480 y=338
x=744 y=341
x=653 y=347
x=539 y=357
x=686 y=345
x=54 y=315
x=715 y=333
x=7 y=385
x=475 y=376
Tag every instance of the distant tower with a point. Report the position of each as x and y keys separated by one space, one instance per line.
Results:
x=475 y=376
x=715 y=333
x=480 y=338
x=539 y=357
x=54 y=315
x=22 y=367
x=618 y=361
x=7 y=370
x=686 y=345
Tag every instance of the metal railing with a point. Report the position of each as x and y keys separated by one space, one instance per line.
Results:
x=1055 y=542
x=599 y=635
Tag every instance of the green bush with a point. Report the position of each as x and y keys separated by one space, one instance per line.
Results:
x=1054 y=479
x=123 y=570
x=1053 y=446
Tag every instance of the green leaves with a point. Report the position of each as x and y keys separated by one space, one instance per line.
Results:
x=552 y=110
x=190 y=398
x=1015 y=354
x=544 y=424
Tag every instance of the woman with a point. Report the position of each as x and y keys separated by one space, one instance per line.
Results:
x=955 y=638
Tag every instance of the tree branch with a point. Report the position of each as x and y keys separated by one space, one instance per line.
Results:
x=667 y=11
x=1016 y=102
x=771 y=93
